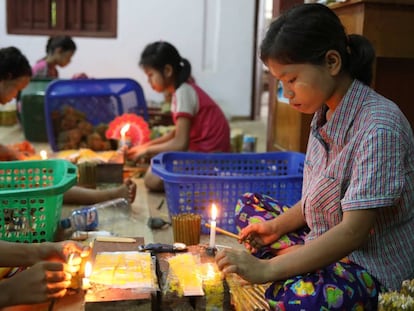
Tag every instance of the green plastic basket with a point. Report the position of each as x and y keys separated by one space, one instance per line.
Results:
x=31 y=196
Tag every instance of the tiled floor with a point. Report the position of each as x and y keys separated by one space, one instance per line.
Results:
x=146 y=205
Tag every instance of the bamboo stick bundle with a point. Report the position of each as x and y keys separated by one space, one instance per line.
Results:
x=196 y=229
x=254 y=305
x=247 y=296
x=175 y=228
x=180 y=229
x=191 y=222
x=258 y=296
x=186 y=228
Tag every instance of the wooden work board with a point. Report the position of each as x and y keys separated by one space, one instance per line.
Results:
x=104 y=300
x=170 y=300
x=118 y=298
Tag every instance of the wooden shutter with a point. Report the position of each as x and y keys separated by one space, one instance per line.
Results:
x=92 y=18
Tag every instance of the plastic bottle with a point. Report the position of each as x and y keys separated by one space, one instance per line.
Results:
x=86 y=218
x=249 y=143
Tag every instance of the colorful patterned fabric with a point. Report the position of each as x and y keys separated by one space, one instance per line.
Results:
x=362 y=158
x=340 y=286
x=254 y=208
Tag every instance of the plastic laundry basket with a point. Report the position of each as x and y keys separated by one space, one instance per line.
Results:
x=31 y=196
x=100 y=100
x=193 y=181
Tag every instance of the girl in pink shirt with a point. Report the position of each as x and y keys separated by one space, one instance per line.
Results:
x=59 y=52
x=200 y=124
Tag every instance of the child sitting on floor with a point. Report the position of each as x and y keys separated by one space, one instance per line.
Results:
x=76 y=194
x=200 y=124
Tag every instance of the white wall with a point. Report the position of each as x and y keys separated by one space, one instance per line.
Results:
x=216 y=36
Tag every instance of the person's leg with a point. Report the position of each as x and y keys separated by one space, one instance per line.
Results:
x=340 y=286
x=153 y=182
x=85 y=196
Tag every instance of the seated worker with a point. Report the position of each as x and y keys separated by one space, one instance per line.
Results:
x=48 y=276
x=351 y=235
x=15 y=74
x=59 y=52
x=200 y=124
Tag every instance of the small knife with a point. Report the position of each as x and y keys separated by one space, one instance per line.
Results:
x=163 y=248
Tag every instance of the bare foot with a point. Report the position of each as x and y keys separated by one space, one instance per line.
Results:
x=127 y=190
x=132 y=189
x=81 y=195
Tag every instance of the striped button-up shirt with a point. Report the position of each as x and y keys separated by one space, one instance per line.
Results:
x=363 y=158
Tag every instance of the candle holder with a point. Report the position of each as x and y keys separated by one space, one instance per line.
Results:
x=211 y=251
x=124 y=143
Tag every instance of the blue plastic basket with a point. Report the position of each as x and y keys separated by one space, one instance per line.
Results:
x=101 y=100
x=193 y=181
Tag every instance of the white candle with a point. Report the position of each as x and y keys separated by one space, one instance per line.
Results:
x=213 y=226
x=43 y=154
x=123 y=132
x=86 y=284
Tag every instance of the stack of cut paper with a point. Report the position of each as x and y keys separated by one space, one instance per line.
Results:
x=124 y=270
x=186 y=270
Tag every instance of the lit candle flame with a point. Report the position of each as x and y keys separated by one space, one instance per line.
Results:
x=211 y=273
x=43 y=154
x=213 y=212
x=88 y=269
x=70 y=259
x=213 y=226
x=125 y=129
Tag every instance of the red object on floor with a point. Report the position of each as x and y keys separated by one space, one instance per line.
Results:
x=138 y=131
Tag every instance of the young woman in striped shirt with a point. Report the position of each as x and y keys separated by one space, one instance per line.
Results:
x=352 y=234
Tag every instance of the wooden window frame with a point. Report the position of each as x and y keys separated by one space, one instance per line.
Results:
x=81 y=18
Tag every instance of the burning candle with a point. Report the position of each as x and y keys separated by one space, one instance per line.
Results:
x=124 y=140
x=86 y=284
x=75 y=281
x=213 y=225
x=43 y=154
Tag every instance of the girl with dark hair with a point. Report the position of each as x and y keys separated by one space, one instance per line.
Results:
x=59 y=52
x=48 y=276
x=352 y=234
x=200 y=124
x=15 y=73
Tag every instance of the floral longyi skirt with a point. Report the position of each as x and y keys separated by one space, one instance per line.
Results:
x=343 y=285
